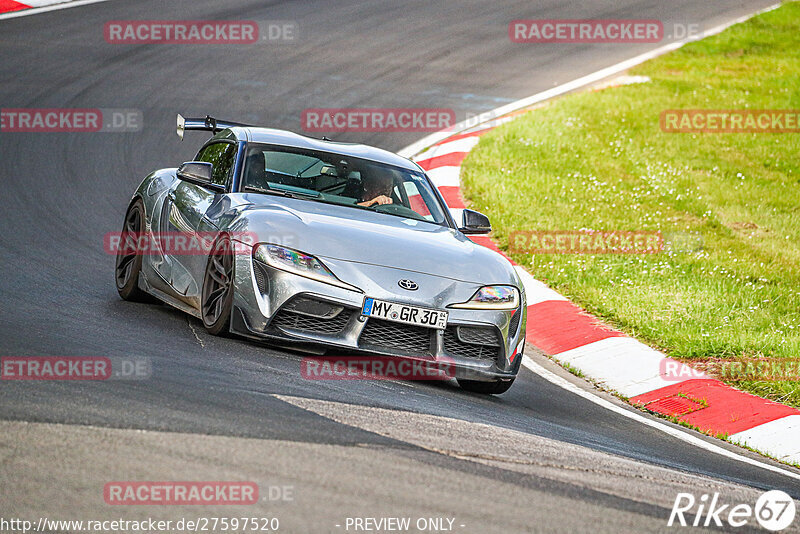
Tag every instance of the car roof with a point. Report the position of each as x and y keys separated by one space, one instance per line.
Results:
x=291 y=139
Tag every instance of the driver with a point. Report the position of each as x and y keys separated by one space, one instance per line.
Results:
x=376 y=190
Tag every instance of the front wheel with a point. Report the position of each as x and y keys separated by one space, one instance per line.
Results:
x=487 y=388
x=217 y=295
x=129 y=259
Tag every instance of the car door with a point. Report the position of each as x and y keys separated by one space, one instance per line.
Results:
x=184 y=216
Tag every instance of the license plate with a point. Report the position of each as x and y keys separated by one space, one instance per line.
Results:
x=403 y=313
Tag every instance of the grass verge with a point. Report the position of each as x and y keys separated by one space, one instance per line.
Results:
x=600 y=161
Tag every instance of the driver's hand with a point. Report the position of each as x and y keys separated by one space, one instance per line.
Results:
x=379 y=200
x=382 y=199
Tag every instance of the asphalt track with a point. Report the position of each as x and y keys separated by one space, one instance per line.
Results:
x=536 y=458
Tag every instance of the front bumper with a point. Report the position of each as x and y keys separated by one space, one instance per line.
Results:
x=282 y=307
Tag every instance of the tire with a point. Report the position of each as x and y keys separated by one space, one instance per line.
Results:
x=129 y=264
x=486 y=388
x=216 y=300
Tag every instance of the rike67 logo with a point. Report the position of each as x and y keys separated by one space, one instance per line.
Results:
x=774 y=511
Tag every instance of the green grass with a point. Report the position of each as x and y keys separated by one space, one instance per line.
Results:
x=598 y=160
x=572 y=369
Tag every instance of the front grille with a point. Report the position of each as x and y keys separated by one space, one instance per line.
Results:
x=477 y=336
x=386 y=334
x=316 y=325
x=473 y=342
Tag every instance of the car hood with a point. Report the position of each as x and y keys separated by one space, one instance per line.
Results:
x=360 y=236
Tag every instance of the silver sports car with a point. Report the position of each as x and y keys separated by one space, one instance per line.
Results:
x=322 y=246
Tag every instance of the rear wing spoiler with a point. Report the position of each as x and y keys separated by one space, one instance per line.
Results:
x=208 y=124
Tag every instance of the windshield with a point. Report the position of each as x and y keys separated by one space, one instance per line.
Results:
x=342 y=180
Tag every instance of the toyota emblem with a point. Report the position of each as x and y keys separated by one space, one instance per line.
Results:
x=409 y=285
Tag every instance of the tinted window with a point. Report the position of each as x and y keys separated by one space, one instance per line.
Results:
x=221 y=156
x=337 y=179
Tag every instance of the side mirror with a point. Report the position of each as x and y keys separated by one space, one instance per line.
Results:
x=475 y=223
x=199 y=173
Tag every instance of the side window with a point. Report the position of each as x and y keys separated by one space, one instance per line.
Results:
x=221 y=156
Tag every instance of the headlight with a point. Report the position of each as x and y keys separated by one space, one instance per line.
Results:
x=492 y=298
x=297 y=263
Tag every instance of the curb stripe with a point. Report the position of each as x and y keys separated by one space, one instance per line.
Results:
x=622 y=364
x=7 y=6
x=672 y=431
x=536 y=291
x=463 y=135
x=465 y=144
x=42 y=6
x=557 y=326
x=445 y=176
x=452 y=195
x=486 y=241
x=616 y=361
x=490 y=117
x=729 y=410
x=451 y=159
x=778 y=438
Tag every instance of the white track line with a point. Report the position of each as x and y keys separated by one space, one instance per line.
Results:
x=425 y=142
x=584 y=81
x=55 y=7
x=459 y=145
x=652 y=423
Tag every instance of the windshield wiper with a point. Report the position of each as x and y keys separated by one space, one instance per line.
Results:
x=281 y=192
x=255 y=189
